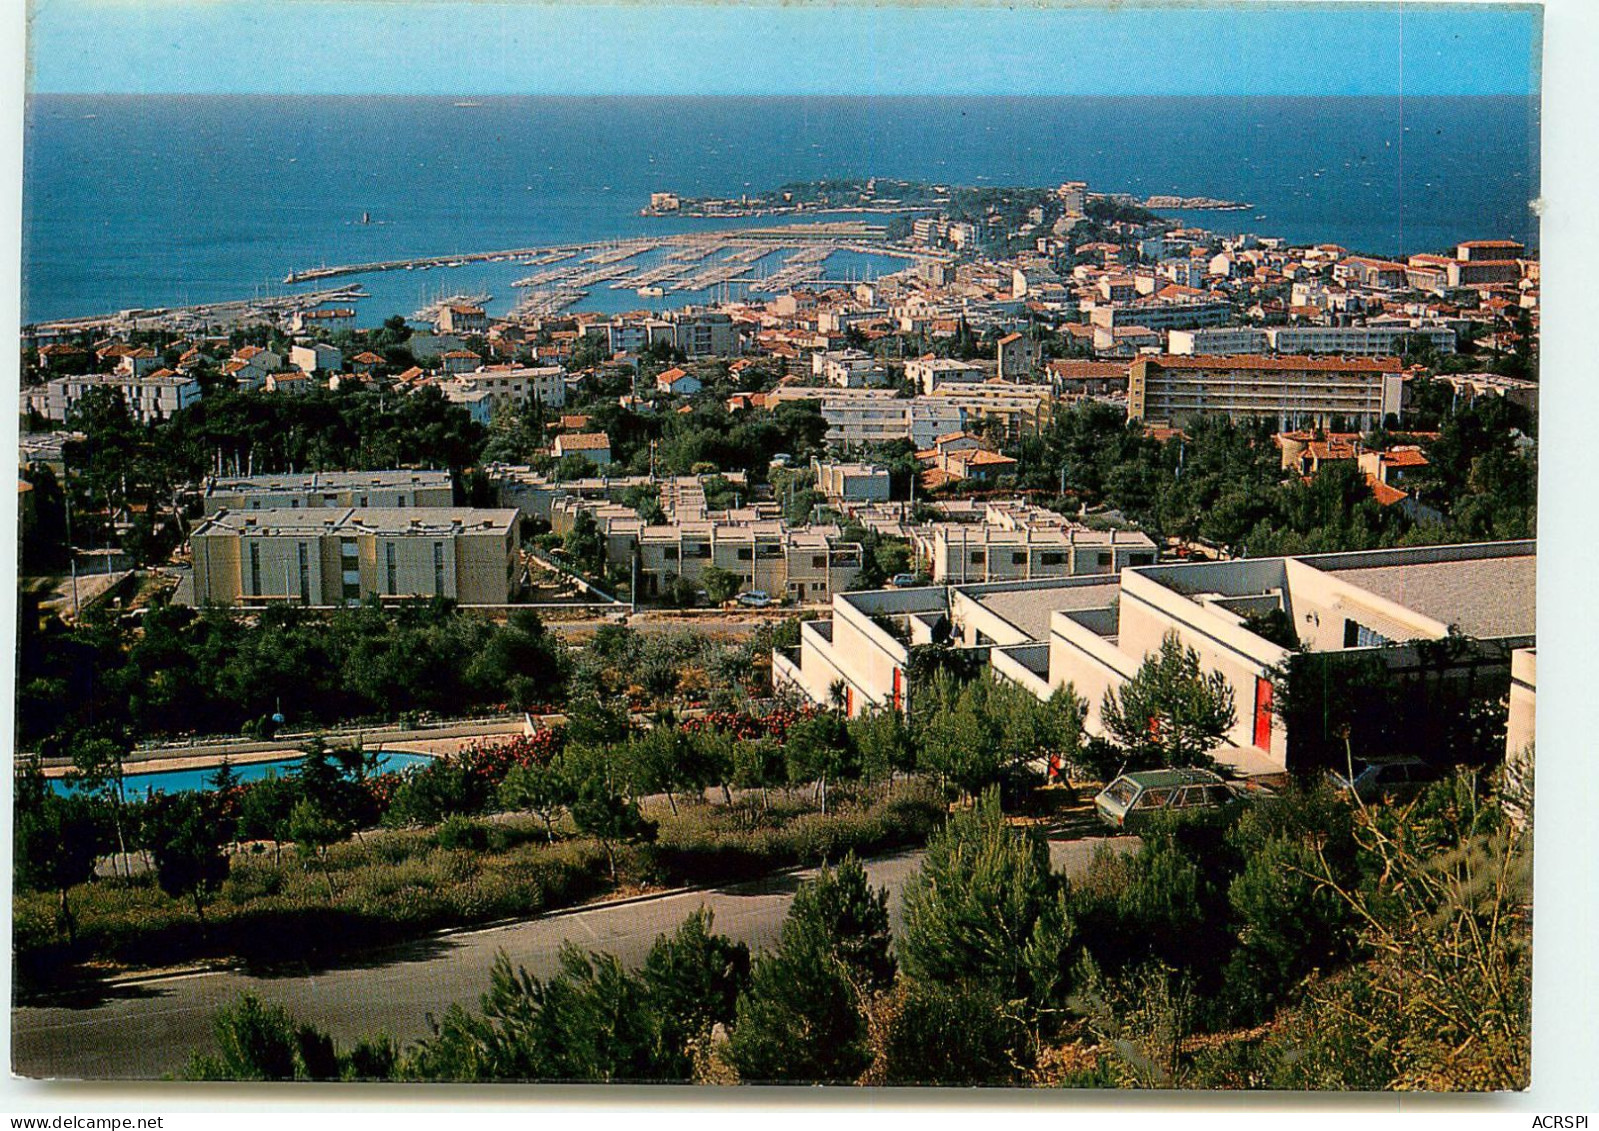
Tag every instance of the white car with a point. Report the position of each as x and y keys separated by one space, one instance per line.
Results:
x=754 y=599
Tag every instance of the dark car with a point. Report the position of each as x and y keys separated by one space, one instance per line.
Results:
x=1391 y=779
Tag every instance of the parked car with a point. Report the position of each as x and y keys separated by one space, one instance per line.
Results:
x=1128 y=802
x=755 y=599
x=1385 y=778
x=902 y=580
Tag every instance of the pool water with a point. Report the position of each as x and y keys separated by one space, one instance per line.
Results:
x=139 y=786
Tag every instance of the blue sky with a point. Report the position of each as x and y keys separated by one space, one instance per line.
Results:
x=404 y=47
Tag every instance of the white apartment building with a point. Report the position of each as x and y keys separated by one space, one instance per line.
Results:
x=513 y=386
x=1354 y=341
x=1292 y=390
x=1219 y=339
x=156 y=396
x=1015 y=542
x=871 y=416
x=851 y=482
x=1161 y=315
x=927 y=373
x=316 y=357
x=808 y=563
x=848 y=369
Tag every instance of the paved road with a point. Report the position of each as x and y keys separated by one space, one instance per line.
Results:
x=147 y=1030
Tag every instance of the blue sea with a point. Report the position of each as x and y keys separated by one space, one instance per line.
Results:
x=166 y=200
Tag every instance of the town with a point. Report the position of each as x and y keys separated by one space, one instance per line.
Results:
x=1087 y=536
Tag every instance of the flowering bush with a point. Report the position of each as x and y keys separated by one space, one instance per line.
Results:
x=774 y=724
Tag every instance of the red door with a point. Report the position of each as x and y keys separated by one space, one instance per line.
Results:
x=1263 y=713
x=899 y=690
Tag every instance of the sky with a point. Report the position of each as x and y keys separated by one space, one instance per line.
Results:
x=798 y=48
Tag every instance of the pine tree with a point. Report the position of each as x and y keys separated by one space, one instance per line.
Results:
x=1170 y=713
x=803 y=1018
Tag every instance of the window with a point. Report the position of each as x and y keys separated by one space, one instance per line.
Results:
x=1052 y=559
x=391 y=568
x=1357 y=635
x=669 y=553
x=255 y=568
x=745 y=553
x=1106 y=558
x=1018 y=557
x=818 y=561
x=305 y=574
x=978 y=556
x=438 y=569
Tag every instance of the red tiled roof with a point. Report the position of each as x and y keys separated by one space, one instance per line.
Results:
x=1385 y=495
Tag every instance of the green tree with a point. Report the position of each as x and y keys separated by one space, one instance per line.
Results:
x=539 y=789
x=803 y=1018
x=56 y=841
x=950 y=1034
x=721 y=585
x=599 y=810
x=1170 y=713
x=585 y=545
x=257 y=1041
x=314 y=830
x=593 y=1021
x=985 y=909
x=182 y=834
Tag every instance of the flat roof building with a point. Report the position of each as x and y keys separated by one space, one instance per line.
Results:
x=1294 y=391
x=326 y=557
x=321 y=489
x=1427 y=628
x=151 y=397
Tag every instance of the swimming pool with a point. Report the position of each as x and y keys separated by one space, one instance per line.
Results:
x=138 y=786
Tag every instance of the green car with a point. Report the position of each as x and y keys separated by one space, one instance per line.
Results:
x=1130 y=800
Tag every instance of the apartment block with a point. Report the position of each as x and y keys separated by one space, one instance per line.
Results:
x=155 y=396
x=871 y=416
x=806 y=563
x=1018 y=542
x=386 y=490
x=1161 y=315
x=928 y=373
x=1294 y=391
x=511 y=386
x=851 y=482
x=316 y=357
x=1018 y=357
x=1219 y=339
x=1385 y=340
x=325 y=557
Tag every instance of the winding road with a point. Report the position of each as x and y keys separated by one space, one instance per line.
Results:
x=147 y=1029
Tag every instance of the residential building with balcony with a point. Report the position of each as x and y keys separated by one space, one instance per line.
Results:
x=1294 y=391
x=156 y=396
x=324 y=557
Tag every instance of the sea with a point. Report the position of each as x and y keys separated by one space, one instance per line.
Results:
x=145 y=200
